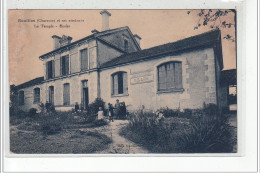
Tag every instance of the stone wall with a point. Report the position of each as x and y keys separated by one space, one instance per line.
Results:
x=198 y=76
x=75 y=91
x=74 y=55
x=106 y=53
x=29 y=98
x=198 y=80
x=117 y=39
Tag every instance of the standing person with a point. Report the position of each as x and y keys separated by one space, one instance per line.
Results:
x=123 y=111
x=100 y=114
x=76 y=107
x=47 y=106
x=110 y=112
x=117 y=106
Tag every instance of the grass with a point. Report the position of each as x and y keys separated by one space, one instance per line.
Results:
x=65 y=142
x=56 y=133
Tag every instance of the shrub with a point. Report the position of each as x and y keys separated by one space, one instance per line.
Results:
x=167 y=112
x=147 y=130
x=170 y=112
x=199 y=134
x=32 y=112
x=98 y=123
x=94 y=107
x=211 y=109
x=187 y=113
x=50 y=123
x=50 y=127
x=49 y=107
x=206 y=135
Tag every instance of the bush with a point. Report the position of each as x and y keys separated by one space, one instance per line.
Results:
x=167 y=112
x=187 y=113
x=94 y=107
x=199 y=134
x=147 y=130
x=32 y=112
x=206 y=135
x=98 y=123
x=170 y=112
x=50 y=125
x=211 y=109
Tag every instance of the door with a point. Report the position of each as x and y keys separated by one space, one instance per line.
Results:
x=51 y=95
x=85 y=95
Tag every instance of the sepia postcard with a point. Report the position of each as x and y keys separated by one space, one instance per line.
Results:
x=129 y=86
x=122 y=81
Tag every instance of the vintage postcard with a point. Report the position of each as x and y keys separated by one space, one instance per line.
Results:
x=123 y=81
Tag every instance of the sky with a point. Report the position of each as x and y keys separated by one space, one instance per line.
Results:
x=26 y=41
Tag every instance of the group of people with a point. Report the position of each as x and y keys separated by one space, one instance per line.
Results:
x=118 y=111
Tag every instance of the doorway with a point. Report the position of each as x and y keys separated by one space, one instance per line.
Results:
x=51 y=95
x=85 y=95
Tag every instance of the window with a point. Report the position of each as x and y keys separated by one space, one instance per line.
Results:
x=119 y=83
x=50 y=69
x=126 y=45
x=65 y=65
x=66 y=94
x=51 y=95
x=170 y=76
x=21 y=97
x=36 y=95
x=84 y=59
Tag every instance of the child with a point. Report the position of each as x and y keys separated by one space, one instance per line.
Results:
x=100 y=114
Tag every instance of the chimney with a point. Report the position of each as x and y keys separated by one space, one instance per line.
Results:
x=56 y=42
x=65 y=40
x=105 y=20
x=137 y=38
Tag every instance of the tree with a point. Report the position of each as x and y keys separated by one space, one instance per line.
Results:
x=13 y=107
x=216 y=19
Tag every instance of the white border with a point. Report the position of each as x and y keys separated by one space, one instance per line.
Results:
x=246 y=100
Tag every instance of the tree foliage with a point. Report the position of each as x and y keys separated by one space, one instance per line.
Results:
x=13 y=107
x=216 y=19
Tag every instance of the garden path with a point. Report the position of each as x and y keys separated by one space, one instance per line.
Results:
x=120 y=145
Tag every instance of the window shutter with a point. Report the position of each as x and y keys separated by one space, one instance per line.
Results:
x=49 y=69
x=178 y=75
x=169 y=75
x=66 y=94
x=67 y=64
x=125 y=87
x=115 y=84
x=35 y=97
x=61 y=65
x=162 y=77
x=21 y=98
x=53 y=68
x=47 y=76
x=57 y=66
x=84 y=59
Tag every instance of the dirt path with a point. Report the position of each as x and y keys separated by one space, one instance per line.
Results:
x=120 y=145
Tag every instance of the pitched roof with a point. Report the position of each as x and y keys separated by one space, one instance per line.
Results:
x=35 y=81
x=206 y=39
